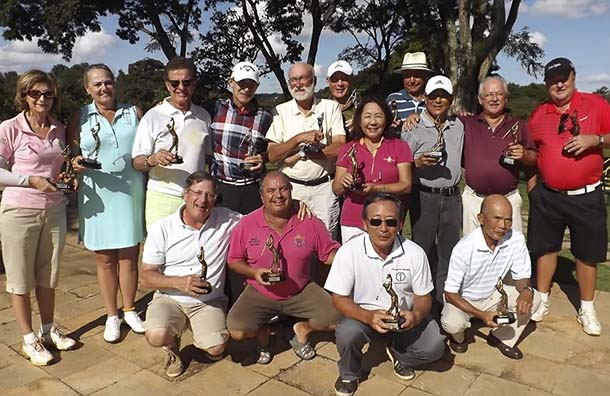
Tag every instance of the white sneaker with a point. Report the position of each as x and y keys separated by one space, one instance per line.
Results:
x=57 y=338
x=37 y=353
x=112 y=331
x=542 y=311
x=134 y=321
x=588 y=320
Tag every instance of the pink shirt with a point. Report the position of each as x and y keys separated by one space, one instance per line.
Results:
x=27 y=154
x=379 y=169
x=300 y=240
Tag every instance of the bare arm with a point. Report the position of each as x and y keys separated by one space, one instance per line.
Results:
x=279 y=151
x=152 y=278
x=331 y=257
x=241 y=267
x=525 y=301
x=421 y=308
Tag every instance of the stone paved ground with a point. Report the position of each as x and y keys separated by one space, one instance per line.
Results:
x=559 y=358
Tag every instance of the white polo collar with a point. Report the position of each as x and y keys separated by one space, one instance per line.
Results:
x=369 y=250
x=481 y=245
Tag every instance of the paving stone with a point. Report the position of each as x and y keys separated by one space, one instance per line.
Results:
x=574 y=380
x=87 y=324
x=377 y=385
x=8 y=356
x=70 y=362
x=281 y=362
x=591 y=352
x=533 y=370
x=316 y=376
x=277 y=388
x=101 y=375
x=69 y=306
x=20 y=372
x=10 y=333
x=135 y=348
x=5 y=300
x=548 y=341
x=329 y=351
x=224 y=378
x=444 y=378
x=142 y=383
x=414 y=392
x=486 y=385
x=482 y=358
x=43 y=387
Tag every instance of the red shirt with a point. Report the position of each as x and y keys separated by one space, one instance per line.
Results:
x=379 y=169
x=300 y=240
x=558 y=169
x=482 y=150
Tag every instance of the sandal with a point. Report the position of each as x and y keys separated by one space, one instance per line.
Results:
x=264 y=356
x=303 y=350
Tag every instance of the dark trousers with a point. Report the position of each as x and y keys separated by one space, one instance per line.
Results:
x=422 y=344
x=436 y=222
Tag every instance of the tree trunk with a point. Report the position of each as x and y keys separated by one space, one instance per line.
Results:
x=161 y=35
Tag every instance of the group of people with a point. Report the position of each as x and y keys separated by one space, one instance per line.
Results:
x=229 y=249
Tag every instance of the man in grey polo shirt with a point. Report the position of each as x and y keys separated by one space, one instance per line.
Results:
x=435 y=206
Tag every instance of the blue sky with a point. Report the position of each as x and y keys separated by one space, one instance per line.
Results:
x=576 y=29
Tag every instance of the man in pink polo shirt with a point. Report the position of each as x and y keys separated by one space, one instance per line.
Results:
x=570 y=131
x=270 y=233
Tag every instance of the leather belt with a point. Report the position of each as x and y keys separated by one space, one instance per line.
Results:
x=444 y=191
x=314 y=182
x=579 y=191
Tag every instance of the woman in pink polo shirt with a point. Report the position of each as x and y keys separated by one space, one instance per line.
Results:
x=382 y=163
x=32 y=211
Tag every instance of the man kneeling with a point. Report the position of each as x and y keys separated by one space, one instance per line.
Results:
x=478 y=262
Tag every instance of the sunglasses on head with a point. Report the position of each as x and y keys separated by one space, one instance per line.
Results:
x=176 y=83
x=36 y=94
x=388 y=222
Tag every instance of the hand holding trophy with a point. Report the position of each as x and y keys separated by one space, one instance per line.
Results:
x=396 y=322
x=505 y=316
x=357 y=183
x=438 y=150
x=250 y=151
x=204 y=271
x=275 y=273
x=171 y=129
x=67 y=178
x=505 y=158
x=91 y=161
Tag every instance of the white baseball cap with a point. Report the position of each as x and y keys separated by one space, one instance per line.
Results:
x=244 y=71
x=439 y=82
x=339 y=66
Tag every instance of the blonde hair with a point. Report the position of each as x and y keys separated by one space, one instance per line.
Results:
x=26 y=82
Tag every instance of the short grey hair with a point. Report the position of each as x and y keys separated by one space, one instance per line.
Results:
x=490 y=78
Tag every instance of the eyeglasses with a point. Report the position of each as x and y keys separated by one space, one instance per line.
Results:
x=212 y=196
x=300 y=79
x=493 y=95
x=388 y=222
x=36 y=94
x=176 y=83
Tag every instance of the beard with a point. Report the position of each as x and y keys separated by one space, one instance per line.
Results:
x=302 y=94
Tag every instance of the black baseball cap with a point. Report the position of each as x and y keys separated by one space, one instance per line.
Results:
x=558 y=66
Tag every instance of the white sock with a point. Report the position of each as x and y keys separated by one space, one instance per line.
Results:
x=45 y=328
x=29 y=338
x=544 y=296
x=113 y=317
x=586 y=305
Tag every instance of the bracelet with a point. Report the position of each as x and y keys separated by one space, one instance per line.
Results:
x=148 y=165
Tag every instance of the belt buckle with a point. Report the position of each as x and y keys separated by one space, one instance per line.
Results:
x=447 y=191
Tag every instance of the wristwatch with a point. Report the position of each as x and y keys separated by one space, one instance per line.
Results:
x=531 y=289
x=302 y=155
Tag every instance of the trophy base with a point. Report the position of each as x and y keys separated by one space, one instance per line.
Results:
x=395 y=323
x=90 y=163
x=273 y=277
x=507 y=160
x=178 y=159
x=311 y=148
x=207 y=287
x=247 y=166
x=358 y=186
x=508 y=318
x=65 y=187
x=436 y=154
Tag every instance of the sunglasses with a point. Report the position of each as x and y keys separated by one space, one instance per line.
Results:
x=562 y=122
x=36 y=94
x=176 y=83
x=388 y=222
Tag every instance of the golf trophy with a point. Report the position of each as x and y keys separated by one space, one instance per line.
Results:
x=91 y=161
x=305 y=148
x=204 y=271
x=504 y=158
x=394 y=107
x=276 y=275
x=397 y=320
x=438 y=150
x=171 y=128
x=67 y=178
x=505 y=316
x=357 y=182
x=251 y=150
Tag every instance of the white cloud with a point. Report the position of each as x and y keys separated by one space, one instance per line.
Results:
x=92 y=45
x=538 y=38
x=569 y=8
x=603 y=78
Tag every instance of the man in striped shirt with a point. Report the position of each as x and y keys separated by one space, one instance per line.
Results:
x=477 y=262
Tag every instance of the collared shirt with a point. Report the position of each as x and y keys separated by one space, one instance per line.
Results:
x=422 y=138
x=289 y=121
x=474 y=268
x=235 y=132
x=405 y=103
x=300 y=240
x=28 y=154
x=174 y=246
x=381 y=168
x=558 y=169
x=483 y=148
x=192 y=128
x=359 y=272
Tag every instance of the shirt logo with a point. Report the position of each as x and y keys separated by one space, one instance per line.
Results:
x=401 y=276
x=254 y=241
x=389 y=159
x=299 y=241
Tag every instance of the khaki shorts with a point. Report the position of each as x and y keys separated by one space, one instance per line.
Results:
x=252 y=309
x=207 y=321
x=32 y=243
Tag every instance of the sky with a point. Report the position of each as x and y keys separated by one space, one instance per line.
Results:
x=576 y=29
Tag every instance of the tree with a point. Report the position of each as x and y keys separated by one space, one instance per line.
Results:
x=143 y=85
x=603 y=92
x=73 y=94
x=8 y=81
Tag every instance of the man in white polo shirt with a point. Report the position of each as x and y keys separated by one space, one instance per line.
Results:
x=356 y=280
x=189 y=292
x=304 y=139
x=154 y=139
x=477 y=262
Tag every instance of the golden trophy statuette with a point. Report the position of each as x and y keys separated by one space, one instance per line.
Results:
x=397 y=320
x=276 y=274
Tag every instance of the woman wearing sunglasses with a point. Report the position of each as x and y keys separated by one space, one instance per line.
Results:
x=33 y=212
x=383 y=163
x=110 y=194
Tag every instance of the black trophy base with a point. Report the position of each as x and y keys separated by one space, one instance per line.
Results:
x=273 y=277
x=178 y=159
x=207 y=287
x=507 y=160
x=247 y=166
x=90 y=163
x=395 y=324
x=436 y=154
x=357 y=186
x=505 y=319
x=65 y=187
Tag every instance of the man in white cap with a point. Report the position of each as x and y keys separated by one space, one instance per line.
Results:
x=238 y=129
x=435 y=204
x=340 y=79
x=415 y=72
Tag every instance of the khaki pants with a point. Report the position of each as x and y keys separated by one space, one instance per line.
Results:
x=322 y=202
x=471 y=207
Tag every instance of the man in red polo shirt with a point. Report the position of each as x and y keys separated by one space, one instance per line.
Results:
x=570 y=131
x=274 y=232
